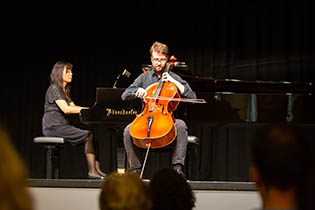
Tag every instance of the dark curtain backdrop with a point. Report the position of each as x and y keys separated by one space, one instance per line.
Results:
x=216 y=38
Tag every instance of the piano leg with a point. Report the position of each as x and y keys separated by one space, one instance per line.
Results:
x=121 y=160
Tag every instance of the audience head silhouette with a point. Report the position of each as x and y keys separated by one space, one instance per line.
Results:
x=124 y=192
x=276 y=154
x=170 y=191
x=14 y=194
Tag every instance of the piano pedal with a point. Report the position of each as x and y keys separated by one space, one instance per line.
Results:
x=121 y=160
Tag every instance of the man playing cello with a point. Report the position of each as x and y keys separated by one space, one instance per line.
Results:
x=159 y=57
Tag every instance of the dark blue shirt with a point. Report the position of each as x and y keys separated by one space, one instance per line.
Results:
x=146 y=79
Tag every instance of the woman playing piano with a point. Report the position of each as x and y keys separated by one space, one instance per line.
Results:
x=58 y=104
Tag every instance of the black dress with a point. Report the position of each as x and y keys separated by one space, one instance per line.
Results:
x=54 y=122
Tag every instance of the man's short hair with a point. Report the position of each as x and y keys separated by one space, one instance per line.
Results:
x=159 y=48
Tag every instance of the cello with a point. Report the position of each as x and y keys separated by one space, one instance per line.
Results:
x=155 y=125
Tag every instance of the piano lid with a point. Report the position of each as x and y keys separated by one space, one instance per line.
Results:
x=228 y=100
x=235 y=101
x=208 y=84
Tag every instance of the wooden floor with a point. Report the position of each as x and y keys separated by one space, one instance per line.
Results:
x=82 y=194
x=90 y=183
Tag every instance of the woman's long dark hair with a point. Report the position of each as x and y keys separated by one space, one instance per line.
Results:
x=56 y=77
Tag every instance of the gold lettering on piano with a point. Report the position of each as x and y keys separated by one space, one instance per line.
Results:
x=123 y=112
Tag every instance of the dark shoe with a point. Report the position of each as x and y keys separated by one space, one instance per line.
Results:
x=179 y=169
x=95 y=177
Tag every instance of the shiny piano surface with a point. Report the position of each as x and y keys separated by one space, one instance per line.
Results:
x=228 y=100
x=251 y=101
x=236 y=101
x=227 y=123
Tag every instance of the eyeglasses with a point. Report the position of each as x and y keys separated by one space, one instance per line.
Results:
x=156 y=60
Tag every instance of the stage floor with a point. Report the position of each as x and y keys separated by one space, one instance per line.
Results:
x=90 y=183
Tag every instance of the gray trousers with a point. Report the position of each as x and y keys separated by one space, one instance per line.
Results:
x=179 y=154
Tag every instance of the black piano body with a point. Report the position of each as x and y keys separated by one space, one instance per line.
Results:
x=107 y=119
x=109 y=109
x=225 y=124
x=231 y=100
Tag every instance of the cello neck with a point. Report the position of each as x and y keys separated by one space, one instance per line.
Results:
x=160 y=85
x=158 y=89
x=167 y=68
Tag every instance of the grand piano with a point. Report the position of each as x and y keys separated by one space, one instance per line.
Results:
x=225 y=124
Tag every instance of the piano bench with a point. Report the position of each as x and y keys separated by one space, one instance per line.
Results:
x=52 y=146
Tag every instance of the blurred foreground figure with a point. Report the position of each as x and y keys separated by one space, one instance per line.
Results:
x=124 y=192
x=278 y=162
x=171 y=191
x=14 y=194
